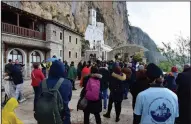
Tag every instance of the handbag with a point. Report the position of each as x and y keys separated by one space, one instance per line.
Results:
x=82 y=103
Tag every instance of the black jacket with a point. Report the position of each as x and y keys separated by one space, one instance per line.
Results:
x=116 y=86
x=93 y=106
x=105 y=78
x=139 y=85
x=16 y=75
x=184 y=96
x=8 y=70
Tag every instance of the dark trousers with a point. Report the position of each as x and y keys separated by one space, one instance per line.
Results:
x=73 y=83
x=87 y=116
x=79 y=75
x=44 y=72
x=36 y=90
x=117 y=106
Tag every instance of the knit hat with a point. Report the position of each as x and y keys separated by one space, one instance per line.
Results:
x=174 y=69
x=153 y=71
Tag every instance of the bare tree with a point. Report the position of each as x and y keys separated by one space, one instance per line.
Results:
x=178 y=55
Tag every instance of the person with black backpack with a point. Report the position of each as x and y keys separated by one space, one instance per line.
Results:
x=54 y=96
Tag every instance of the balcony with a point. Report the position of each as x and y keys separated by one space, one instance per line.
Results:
x=25 y=32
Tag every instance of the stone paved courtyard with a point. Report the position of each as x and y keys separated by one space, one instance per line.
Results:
x=25 y=109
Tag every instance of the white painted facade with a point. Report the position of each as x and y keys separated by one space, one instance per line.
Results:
x=95 y=35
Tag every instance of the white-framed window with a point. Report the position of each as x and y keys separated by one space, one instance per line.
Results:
x=60 y=53
x=54 y=32
x=69 y=54
x=70 y=38
x=94 y=13
x=16 y=54
x=60 y=35
x=76 y=40
x=76 y=55
x=35 y=57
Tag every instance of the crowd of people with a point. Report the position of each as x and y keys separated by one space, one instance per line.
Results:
x=156 y=97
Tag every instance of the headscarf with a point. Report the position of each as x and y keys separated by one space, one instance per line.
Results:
x=8 y=114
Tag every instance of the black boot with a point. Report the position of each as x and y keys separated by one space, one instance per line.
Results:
x=107 y=115
x=117 y=119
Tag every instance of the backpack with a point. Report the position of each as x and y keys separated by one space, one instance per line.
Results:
x=92 y=89
x=49 y=105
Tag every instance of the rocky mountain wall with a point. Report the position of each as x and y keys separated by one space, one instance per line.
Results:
x=75 y=15
x=138 y=36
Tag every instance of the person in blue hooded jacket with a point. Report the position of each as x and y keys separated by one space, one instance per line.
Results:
x=56 y=72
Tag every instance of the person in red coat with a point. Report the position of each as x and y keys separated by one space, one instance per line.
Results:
x=37 y=77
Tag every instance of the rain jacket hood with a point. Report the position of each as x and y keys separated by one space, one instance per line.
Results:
x=57 y=70
x=8 y=114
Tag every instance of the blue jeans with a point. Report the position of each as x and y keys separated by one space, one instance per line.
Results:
x=105 y=96
x=126 y=92
x=18 y=91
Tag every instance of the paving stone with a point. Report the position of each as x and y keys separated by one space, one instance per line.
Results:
x=25 y=110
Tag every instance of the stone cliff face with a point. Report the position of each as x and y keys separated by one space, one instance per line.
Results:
x=75 y=15
x=112 y=14
x=137 y=36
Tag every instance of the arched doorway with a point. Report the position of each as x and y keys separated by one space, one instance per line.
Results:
x=14 y=54
x=17 y=53
x=35 y=57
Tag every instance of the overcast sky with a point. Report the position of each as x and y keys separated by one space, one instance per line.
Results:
x=162 y=21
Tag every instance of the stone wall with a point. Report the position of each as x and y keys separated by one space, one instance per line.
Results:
x=53 y=33
x=72 y=47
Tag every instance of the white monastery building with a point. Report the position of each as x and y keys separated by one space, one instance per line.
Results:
x=95 y=35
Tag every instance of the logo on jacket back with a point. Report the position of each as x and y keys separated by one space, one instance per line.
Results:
x=160 y=110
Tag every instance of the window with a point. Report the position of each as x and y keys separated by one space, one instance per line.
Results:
x=94 y=41
x=35 y=57
x=76 y=55
x=54 y=32
x=60 y=35
x=16 y=54
x=94 y=47
x=76 y=40
x=60 y=53
x=70 y=39
x=69 y=54
x=94 y=13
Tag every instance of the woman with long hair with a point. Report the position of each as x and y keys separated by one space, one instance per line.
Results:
x=127 y=82
x=116 y=92
x=140 y=84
